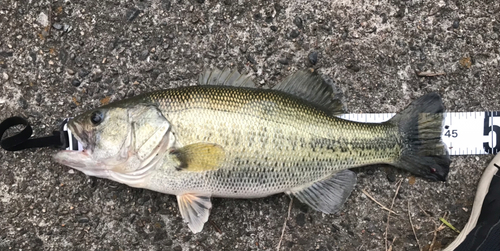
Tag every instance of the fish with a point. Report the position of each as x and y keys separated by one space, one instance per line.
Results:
x=224 y=137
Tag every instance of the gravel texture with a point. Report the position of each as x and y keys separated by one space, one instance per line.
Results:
x=59 y=58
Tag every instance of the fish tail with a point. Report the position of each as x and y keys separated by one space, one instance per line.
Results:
x=420 y=124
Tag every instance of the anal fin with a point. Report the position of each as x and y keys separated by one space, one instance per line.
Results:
x=195 y=209
x=330 y=194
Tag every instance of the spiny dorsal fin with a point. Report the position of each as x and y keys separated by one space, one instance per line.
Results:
x=309 y=85
x=199 y=157
x=225 y=77
x=328 y=195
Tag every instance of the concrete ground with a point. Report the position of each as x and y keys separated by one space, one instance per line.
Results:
x=59 y=58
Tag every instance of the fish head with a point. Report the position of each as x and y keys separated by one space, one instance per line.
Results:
x=117 y=140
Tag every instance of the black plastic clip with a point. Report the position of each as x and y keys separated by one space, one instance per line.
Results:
x=23 y=140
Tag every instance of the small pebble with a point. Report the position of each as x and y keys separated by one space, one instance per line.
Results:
x=83 y=219
x=298 y=21
x=6 y=54
x=168 y=242
x=187 y=238
x=96 y=77
x=75 y=82
x=57 y=26
x=67 y=28
x=167 y=4
x=70 y=71
x=274 y=27
x=155 y=73
x=313 y=57
x=283 y=61
x=251 y=59
x=132 y=14
x=370 y=171
x=194 y=20
x=38 y=98
x=353 y=67
x=83 y=73
x=164 y=56
x=130 y=93
x=5 y=76
x=22 y=103
x=391 y=177
x=43 y=19
x=144 y=55
x=294 y=33
x=456 y=23
x=345 y=34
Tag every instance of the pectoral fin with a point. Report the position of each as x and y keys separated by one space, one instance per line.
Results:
x=195 y=209
x=199 y=157
x=328 y=195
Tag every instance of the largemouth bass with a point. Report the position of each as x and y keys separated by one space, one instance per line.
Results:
x=227 y=138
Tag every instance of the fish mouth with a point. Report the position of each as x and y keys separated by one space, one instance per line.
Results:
x=81 y=161
x=79 y=158
x=62 y=158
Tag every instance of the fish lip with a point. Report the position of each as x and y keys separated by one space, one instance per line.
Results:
x=84 y=152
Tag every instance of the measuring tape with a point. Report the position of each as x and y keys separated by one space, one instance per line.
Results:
x=464 y=133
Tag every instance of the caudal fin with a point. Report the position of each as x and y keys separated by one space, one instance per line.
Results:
x=420 y=125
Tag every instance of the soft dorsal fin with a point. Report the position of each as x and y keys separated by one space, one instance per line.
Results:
x=309 y=85
x=225 y=77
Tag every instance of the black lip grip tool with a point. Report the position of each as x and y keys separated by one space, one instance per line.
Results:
x=22 y=140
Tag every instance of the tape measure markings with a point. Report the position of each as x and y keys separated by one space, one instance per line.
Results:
x=464 y=133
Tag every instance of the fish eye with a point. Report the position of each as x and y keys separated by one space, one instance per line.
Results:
x=96 y=117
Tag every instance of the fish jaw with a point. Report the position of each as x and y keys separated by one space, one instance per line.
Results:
x=83 y=162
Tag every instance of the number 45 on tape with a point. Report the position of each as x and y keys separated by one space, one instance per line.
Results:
x=464 y=133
